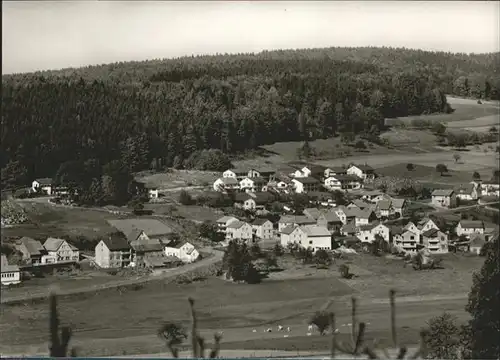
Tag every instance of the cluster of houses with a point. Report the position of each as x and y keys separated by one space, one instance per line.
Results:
x=143 y=243
x=295 y=178
x=468 y=192
x=34 y=253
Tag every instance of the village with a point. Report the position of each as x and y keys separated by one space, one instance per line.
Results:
x=320 y=208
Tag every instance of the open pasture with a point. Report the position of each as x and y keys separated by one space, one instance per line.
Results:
x=172 y=178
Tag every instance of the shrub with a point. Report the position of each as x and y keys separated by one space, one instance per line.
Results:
x=441 y=168
x=278 y=249
x=410 y=167
x=185 y=198
x=344 y=271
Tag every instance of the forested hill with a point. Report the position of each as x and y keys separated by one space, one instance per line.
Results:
x=163 y=111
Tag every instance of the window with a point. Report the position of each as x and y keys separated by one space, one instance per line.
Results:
x=366 y=237
x=310 y=242
x=412 y=237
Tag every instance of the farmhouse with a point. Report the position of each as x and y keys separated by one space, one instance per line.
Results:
x=330 y=220
x=336 y=170
x=358 y=204
x=235 y=173
x=384 y=207
x=298 y=220
x=364 y=172
x=253 y=184
x=399 y=206
x=443 y=198
x=363 y=217
x=113 y=252
x=469 y=227
x=340 y=211
x=408 y=241
x=318 y=237
x=349 y=229
x=151 y=229
x=32 y=250
x=144 y=247
x=466 y=192
x=413 y=228
x=305 y=184
x=42 y=185
x=239 y=230
x=153 y=192
x=435 y=241
x=226 y=184
x=312 y=213
x=223 y=222
x=367 y=233
x=316 y=171
x=373 y=196
x=59 y=251
x=427 y=224
x=262 y=229
x=184 y=251
x=292 y=234
x=332 y=183
x=349 y=182
x=491 y=187
x=10 y=274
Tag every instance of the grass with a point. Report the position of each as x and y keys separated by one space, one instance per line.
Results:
x=177 y=178
x=403 y=137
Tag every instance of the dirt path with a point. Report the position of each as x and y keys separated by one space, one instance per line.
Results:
x=40 y=294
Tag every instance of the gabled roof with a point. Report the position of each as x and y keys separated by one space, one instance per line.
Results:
x=398 y=203
x=116 y=243
x=228 y=180
x=477 y=240
x=364 y=167
x=465 y=189
x=315 y=169
x=442 y=192
x=359 y=213
x=260 y=221
x=337 y=169
x=53 y=244
x=256 y=179
x=384 y=204
x=367 y=227
x=313 y=213
x=44 y=181
x=360 y=203
x=409 y=231
x=431 y=233
x=262 y=198
x=316 y=231
x=287 y=230
x=238 y=171
x=150 y=245
x=6 y=267
x=331 y=217
x=372 y=192
x=242 y=197
x=345 y=178
x=396 y=230
x=471 y=224
x=236 y=224
x=407 y=226
x=225 y=219
x=307 y=180
x=151 y=227
x=34 y=247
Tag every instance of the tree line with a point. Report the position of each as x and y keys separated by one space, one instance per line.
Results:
x=152 y=114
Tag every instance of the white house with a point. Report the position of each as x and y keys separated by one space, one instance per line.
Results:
x=234 y=173
x=384 y=207
x=339 y=211
x=335 y=170
x=10 y=274
x=223 y=222
x=294 y=220
x=305 y=184
x=317 y=171
x=374 y=196
x=427 y=224
x=367 y=233
x=408 y=241
x=399 y=206
x=466 y=192
x=42 y=185
x=332 y=183
x=293 y=234
x=443 y=198
x=59 y=250
x=153 y=192
x=226 y=184
x=363 y=216
x=413 y=228
x=476 y=243
x=186 y=252
x=435 y=240
x=262 y=229
x=253 y=184
x=113 y=252
x=469 y=227
x=318 y=237
x=362 y=171
x=239 y=230
x=490 y=188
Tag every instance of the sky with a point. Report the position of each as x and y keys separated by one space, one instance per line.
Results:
x=43 y=35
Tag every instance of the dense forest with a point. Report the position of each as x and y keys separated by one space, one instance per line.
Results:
x=125 y=117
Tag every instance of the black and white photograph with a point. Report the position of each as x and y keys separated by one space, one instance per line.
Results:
x=250 y=179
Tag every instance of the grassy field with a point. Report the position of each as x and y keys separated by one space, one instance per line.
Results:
x=178 y=178
x=125 y=322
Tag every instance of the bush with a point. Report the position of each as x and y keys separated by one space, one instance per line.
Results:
x=278 y=249
x=185 y=198
x=344 y=271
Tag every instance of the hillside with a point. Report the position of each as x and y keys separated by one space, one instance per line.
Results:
x=164 y=111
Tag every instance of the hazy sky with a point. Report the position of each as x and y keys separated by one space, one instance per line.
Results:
x=50 y=35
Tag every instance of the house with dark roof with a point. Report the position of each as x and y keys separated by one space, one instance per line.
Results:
x=32 y=250
x=239 y=230
x=10 y=274
x=253 y=184
x=60 y=251
x=466 y=192
x=435 y=241
x=477 y=243
x=314 y=170
x=292 y=234
x=262 y=229
x=152 y=228
x=43 y=185
x=236 y=173
x=373 y=196
x=349 y=229
x=306 y=184
x=184 y=251
x=362 y=171
x=253 y=201
x=384 y=207
x=334 y=170
x=330 y=220
x=291 y=220
x=226 y=184
x=113 y=252
x=223 y=222
x=491 y=187
x=444 y=198
x=469 y=227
